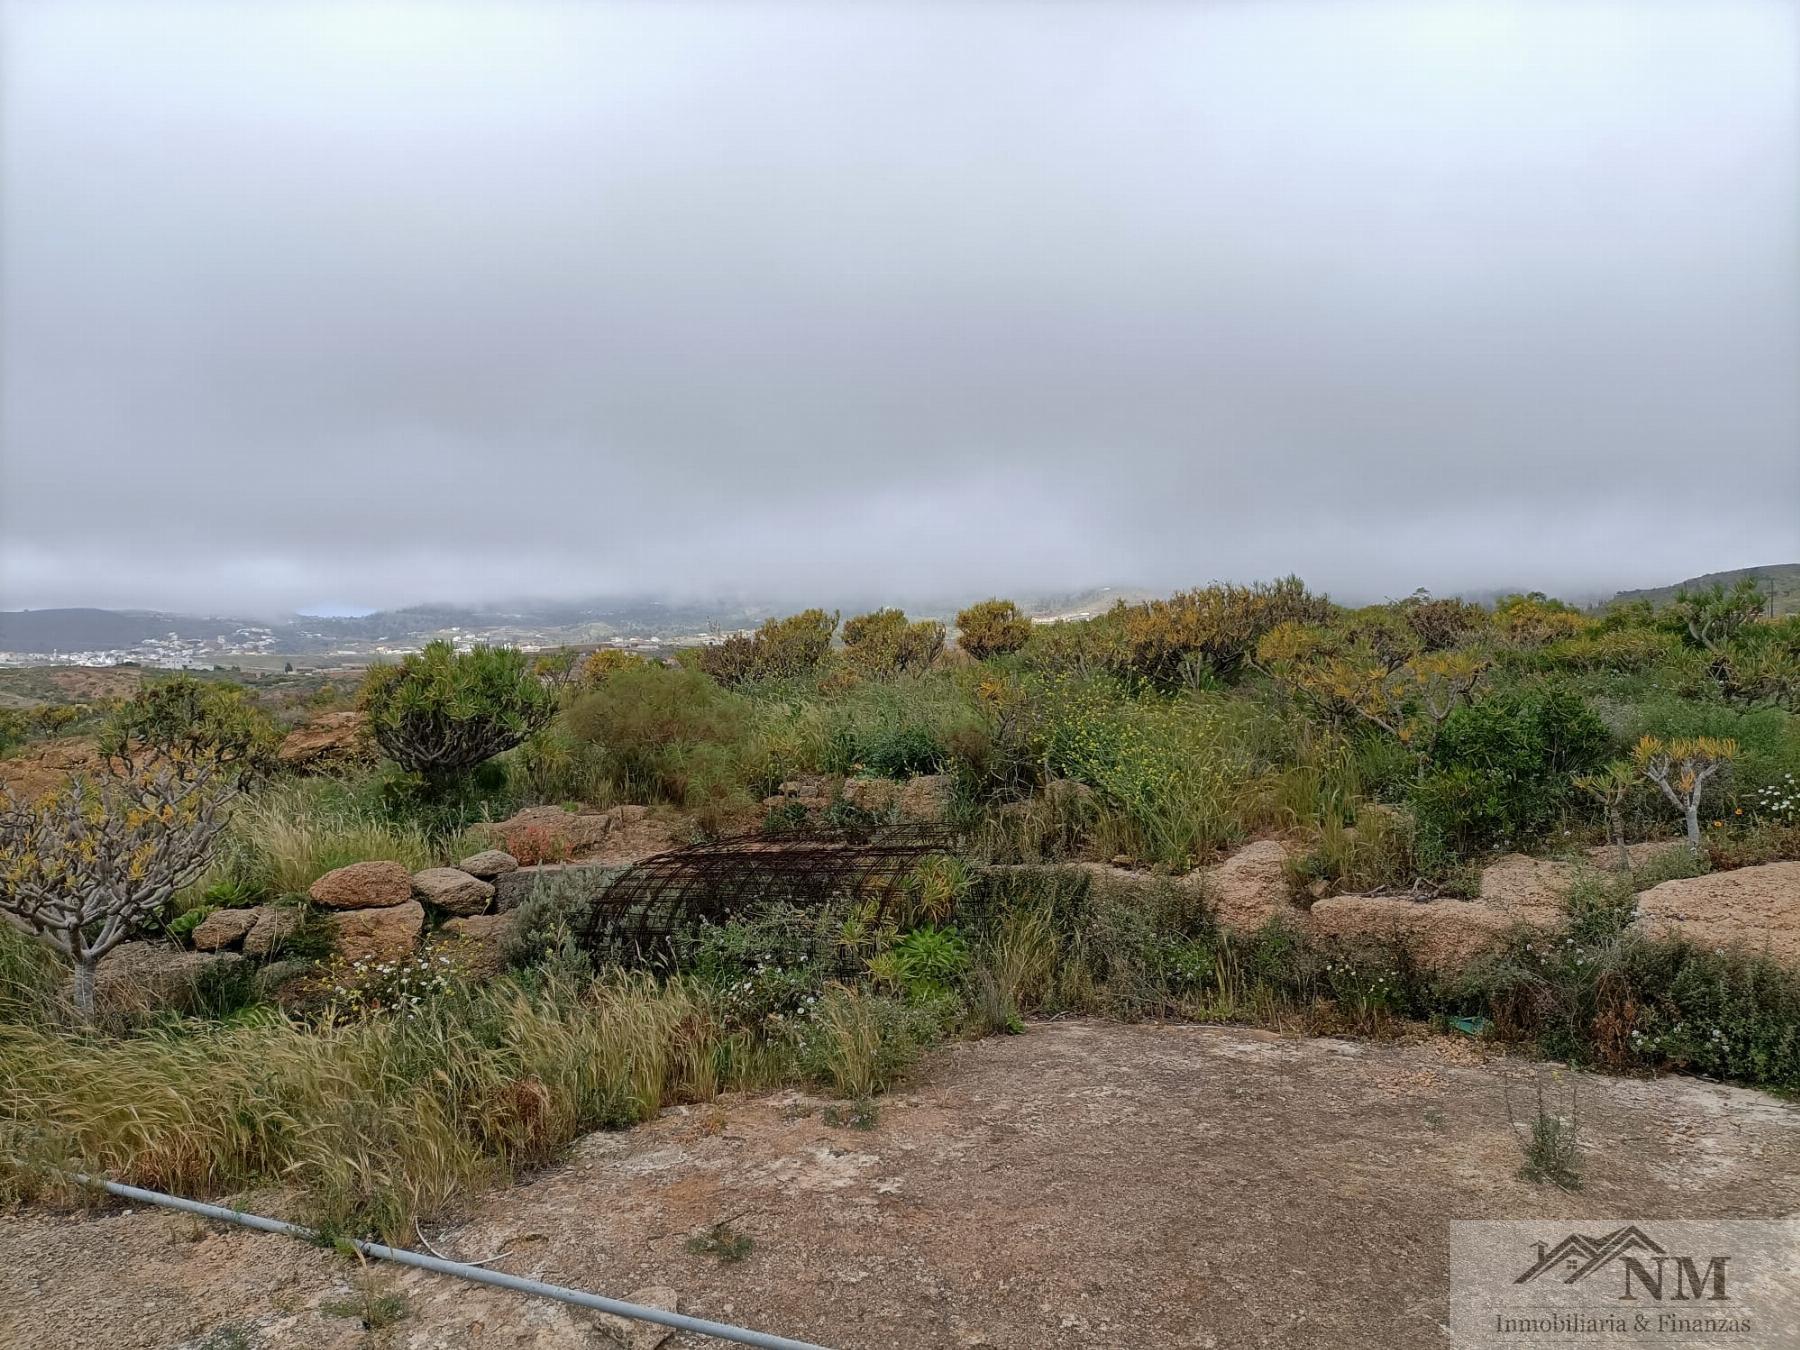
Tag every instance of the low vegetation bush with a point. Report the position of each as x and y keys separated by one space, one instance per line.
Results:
x=885 y=643
x=670 y=735
x=186 y=720
x=781 y=649
x=1212 y=630
x=1502 y=771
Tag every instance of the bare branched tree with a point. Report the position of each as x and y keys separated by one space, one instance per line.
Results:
x=1681 y=768
x=88 y=866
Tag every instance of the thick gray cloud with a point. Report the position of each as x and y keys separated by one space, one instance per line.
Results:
x=371 y=304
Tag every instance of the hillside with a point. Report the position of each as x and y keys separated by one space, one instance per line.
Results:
x=1782 y=579
x=64 y=630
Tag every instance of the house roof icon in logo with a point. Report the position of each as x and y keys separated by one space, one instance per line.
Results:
x=1585 y=1255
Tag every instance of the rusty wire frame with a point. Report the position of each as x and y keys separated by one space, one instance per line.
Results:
x=637 y=920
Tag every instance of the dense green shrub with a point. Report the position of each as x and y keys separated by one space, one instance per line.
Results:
x=1536 y=620
x=1502 y=770
x=992 y=628
x=765 y=968
x=1441 y=623
x=895 y=730
x=781 y=649
x=884 y=643
x=930 y=961
x=14 y=728
x=1215 y=628
x=668 y=735
x=441 y=712
x=1712 y=616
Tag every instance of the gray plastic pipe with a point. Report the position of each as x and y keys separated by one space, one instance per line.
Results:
x=581 y=1299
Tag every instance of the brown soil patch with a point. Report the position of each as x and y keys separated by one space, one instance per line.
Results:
x=1086 y=1184
x=46 y=766
x=90 y=684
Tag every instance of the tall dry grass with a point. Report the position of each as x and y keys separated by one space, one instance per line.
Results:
x=374 y=1123
x=288 y=835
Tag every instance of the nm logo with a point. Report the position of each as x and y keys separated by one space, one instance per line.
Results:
x=1646 y=1269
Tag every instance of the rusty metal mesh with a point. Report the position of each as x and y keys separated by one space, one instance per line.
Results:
x=638 y=918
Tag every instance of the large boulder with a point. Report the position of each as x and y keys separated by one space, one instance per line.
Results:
x=143 y=977
x=877 y=796
x=363 y=885
x=1250 y=887
x=1440 y=934
x=1751 y=909
x=387 y=934
x=923 y=800
x=273 y=924
x=452 y=890
x=329 y=741
x=549 y=834
x=223 y=928
x=477 y=943
x=926 y=798
x=489 y=863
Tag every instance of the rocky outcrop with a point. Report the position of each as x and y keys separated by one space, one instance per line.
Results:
x=1750 y=909
x=489 y=863
x=923 y=800
x=260 y=930
x=223 y=928
x=329 y=741
x=1250 y=887
x=44 y=768
x=1530 y=889
x=1534 y=890
x=452 y=890
x=386 y=934
x=363 y=885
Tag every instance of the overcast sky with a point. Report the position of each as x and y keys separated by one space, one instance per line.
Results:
x=360 y=305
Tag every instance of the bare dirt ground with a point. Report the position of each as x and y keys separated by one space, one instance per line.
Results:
x=1086 y=1184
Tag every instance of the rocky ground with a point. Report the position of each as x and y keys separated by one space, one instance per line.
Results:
x=1086 y=1184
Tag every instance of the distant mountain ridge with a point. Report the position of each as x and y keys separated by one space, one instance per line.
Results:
x=1781 y=581
x=40 y=631
x=78 y=630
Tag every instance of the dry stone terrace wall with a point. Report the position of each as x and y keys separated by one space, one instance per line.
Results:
x=378 y=910
x=1750 y=909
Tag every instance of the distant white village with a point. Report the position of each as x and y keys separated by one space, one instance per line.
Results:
x=165 y=653
x=178 y=653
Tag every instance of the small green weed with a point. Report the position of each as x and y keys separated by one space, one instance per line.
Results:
x=369 y=1303
x=1552 y=1149
x=862 y=1114
x=723 y=1242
